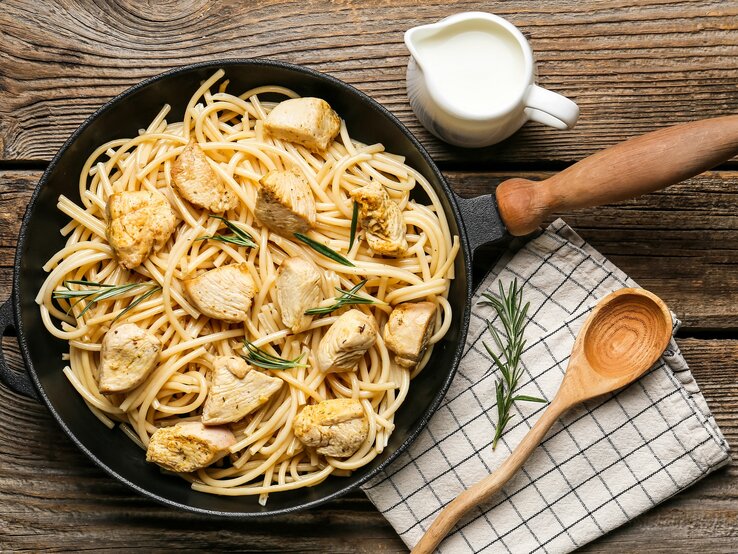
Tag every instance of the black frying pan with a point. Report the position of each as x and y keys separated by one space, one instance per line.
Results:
x=476 y=221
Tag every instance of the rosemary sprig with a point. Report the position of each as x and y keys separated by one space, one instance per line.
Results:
x=511 y=312
x=354 y=222
x=323 y=249
x=239 y=237
x=97 y=292
x=346 y=298
x=261 y=358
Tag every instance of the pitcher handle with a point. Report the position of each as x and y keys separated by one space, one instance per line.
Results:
x=550 y=108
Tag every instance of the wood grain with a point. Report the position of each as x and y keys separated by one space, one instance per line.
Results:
x=632 y=65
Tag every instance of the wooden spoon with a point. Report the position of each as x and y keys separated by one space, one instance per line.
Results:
x=621 y=339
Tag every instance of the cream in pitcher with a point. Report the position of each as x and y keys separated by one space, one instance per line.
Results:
x=470 y=81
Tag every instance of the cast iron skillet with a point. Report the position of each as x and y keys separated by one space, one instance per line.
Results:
x=39 y=239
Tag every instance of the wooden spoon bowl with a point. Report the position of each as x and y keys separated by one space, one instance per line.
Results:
x=621 y=339
x=627 y=335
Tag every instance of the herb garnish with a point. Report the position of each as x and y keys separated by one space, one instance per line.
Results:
x=323 y=249
x=97 y=292
x=511 y=312
x=354 y=222
x=261 y=358
x=239 y=236
x=346 y=298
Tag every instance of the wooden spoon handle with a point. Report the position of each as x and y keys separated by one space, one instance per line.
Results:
x=480 y=492
x=634 y=167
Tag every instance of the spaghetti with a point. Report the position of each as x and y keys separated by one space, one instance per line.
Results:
x=267 y=456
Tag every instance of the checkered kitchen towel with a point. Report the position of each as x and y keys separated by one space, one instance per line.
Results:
x=601 y=465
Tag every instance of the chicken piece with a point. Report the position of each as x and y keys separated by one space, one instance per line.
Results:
x=381 y=218
x=223 y=293
x=334 y=427
x=198 y=183
x=128 y=354
x=298 y=288
x=346 y=341
x=408 y=330
x=236 y=390
x=139 y=223
x=188 y=446
x=285 y=202
x=307 y=121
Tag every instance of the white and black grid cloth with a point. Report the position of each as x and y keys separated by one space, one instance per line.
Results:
x=601 y=465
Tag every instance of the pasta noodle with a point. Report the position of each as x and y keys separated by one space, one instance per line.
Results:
x=267 y=457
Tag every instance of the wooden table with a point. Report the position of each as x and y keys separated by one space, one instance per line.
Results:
x=632 y=66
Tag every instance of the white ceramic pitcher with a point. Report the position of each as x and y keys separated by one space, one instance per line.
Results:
x=471 y=81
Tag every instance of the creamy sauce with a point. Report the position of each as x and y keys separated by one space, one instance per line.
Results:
x=476 y=66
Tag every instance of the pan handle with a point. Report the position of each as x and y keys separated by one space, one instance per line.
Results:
x=16 y=381
x=637 y=166
x=481 y=220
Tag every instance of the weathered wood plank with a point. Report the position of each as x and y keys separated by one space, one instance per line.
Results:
x=681 y=243
x=631 y=66
x=52 y=498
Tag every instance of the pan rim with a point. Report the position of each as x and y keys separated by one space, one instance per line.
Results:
x=367 y=100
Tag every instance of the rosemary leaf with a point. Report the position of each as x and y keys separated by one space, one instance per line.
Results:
x=527 y=398
x=97 y=292
x=324 y=250
x=238 y=237
x=107 y=294
x=84 y=282
x=354 y=222
x=508 y=304
x=346 y=298
x=261 y=358
x=137 y=301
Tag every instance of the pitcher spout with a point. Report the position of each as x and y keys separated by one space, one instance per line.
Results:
x=412 y=36
x=423 y=32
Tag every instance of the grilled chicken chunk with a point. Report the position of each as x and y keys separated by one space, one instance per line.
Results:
x=285 y=202
x=223 y=293
x=139 y=223
x=128 y=354
x=236 y=390
x=346 y=341
x=198 y=183
x=188 y=446
x=307 y=121
x=408 y=330
x=381 y=218
x=298 y=288
x=333 y=427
